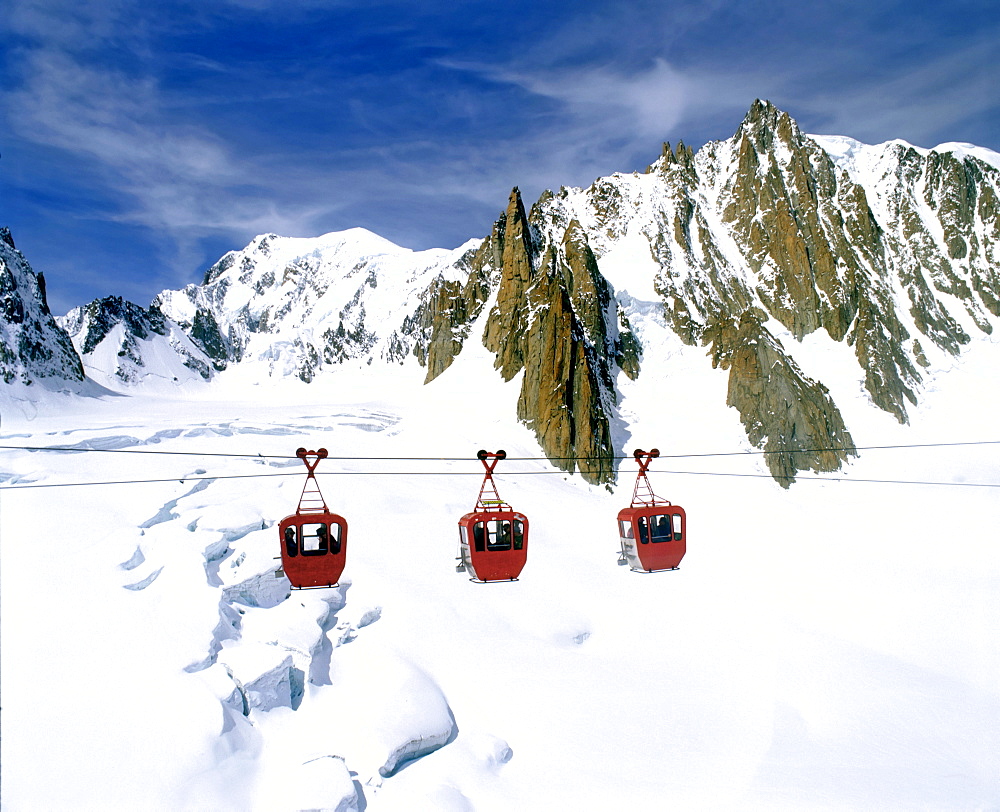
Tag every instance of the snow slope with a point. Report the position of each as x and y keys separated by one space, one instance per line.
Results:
x=833 y=646
x=290 y=305
x=853 y=155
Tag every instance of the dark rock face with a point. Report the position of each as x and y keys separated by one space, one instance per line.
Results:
x=206 y=335
x=554 y=318
x=32 y=345
x=792 y=233
x=448 y=308
x=766 y=228
x=513 y=253
x=818 y=252
x=99 y=317
x=93 y=324
x=787 y=414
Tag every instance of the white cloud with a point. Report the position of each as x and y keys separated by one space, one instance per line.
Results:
x=647 y=103
x=167 y=175
x=111 y=118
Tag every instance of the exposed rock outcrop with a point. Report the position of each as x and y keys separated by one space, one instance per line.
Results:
x=448 y=308
x=32 y=345
x=787 y=414
x=817 y=251
x=555 y=318
x=114 y=338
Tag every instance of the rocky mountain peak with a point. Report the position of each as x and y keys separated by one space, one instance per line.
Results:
x=100 y=316
x=753 y=247
x=115 y=336
x=764 y=122
x=555 y=318
x=32 y=345
x=514 y=256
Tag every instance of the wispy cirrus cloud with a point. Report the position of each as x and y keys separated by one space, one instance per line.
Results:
x=168 y=176
x=115 y=131
x=647 y=102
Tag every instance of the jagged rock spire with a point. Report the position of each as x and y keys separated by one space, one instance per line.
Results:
x=32 y=345
x=550 y=319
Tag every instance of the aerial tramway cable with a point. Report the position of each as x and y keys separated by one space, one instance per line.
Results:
x=798 y=478
x=258 y=455
x=549 y=471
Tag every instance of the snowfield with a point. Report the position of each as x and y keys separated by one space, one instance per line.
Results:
x=834 y=646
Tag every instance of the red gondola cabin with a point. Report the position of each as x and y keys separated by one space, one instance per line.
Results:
x=313 y=540
x=652 y=531
x=493 y=539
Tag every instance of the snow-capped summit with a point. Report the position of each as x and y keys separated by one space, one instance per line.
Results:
x=769 y=248
x=294 y=305
x=125 y=346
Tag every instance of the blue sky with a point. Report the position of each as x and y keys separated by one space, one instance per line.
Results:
x=141 y=141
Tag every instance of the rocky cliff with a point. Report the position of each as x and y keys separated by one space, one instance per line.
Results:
x=890 y=249
x=32 y=345
x=123 y=345
x=555 y=318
